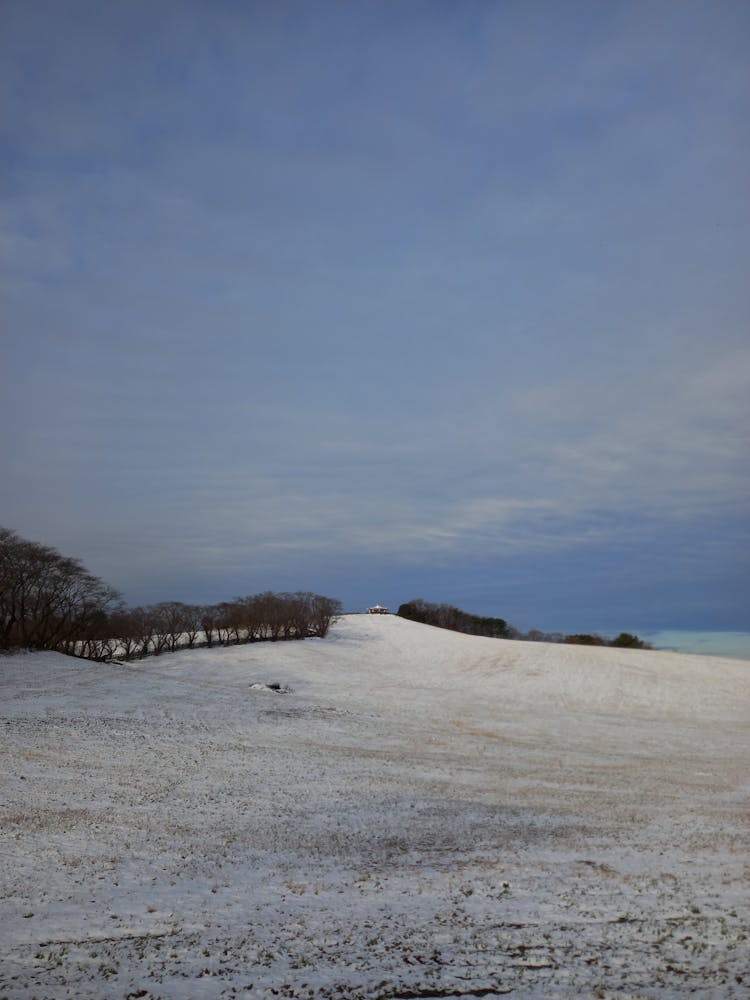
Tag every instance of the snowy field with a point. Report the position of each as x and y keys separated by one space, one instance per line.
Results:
x=425 y=814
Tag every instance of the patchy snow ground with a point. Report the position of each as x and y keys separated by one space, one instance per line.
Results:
x=424 y=814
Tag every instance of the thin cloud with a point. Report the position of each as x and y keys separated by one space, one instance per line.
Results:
x=428 y=287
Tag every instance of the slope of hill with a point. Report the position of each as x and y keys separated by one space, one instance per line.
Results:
x=425 y=813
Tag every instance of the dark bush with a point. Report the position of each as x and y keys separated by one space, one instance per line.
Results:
x=584 y=639
x=627 y=641
x=446 y=616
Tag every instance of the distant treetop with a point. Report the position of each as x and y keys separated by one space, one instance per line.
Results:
x=446 y=616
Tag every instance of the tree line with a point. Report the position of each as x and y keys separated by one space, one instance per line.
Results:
x=447 y=616
x=50 y=601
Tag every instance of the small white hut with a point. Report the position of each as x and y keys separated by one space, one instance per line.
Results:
x=377 y=609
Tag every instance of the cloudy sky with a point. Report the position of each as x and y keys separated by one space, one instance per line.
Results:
x=383 y=300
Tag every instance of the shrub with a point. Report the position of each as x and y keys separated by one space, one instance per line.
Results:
x=627 y=641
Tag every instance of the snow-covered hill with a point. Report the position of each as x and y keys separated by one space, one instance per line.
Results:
x=426 y=813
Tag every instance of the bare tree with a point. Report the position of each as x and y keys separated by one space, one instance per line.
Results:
x=47 y=601
x=174 y=618
x=124 y=628
x=192 y=622
x=325 y=610
x=209 y=617
x=142 y=631
x=158 y=624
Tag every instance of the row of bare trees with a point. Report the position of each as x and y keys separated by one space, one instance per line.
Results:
x=134 y=633
x=49 y=601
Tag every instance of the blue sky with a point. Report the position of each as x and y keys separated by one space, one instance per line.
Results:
x=383 y=300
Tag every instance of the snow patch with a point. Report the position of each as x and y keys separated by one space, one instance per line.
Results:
x=428 y=814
